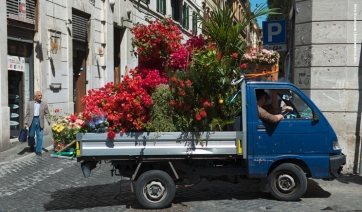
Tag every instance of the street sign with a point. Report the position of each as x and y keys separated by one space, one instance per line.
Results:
x=274 y=35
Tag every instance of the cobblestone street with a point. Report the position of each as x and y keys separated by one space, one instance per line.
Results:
x=32 y=183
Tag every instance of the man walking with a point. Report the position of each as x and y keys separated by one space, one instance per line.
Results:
x=35 y=113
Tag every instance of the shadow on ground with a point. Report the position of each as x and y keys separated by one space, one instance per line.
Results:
x=109 y=195
x=315 y=191
x=351 y=178
x=27 y=149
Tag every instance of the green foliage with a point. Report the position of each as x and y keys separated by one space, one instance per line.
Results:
x=201 y=94
x=222 y=29
x=161 y=112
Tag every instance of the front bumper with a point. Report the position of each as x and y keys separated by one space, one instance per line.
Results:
x=336 y=163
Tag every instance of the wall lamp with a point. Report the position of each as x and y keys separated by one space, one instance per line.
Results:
x=112 y=2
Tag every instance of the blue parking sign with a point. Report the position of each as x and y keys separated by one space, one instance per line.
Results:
x=274 y=32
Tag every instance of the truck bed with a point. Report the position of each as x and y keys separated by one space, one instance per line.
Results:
x=162 y=144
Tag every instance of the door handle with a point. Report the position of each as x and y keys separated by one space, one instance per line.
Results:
x=260 y=127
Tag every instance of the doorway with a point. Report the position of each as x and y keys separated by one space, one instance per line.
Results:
x=79 y=79
x=20 y=82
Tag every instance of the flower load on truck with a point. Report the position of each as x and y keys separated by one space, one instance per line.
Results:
x=179 y=87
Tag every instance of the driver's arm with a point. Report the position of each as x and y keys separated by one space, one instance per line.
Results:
x=265 y=116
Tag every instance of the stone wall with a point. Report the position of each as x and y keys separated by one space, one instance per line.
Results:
x=328 y=66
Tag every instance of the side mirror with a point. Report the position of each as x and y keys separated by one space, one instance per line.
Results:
x=315 y=116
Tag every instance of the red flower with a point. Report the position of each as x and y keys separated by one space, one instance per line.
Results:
x=188 y=82
x=206 y=104
x=173 y=79
x=172 y=103
x=73 y=118
x=57 y=110
x=203 y=113
x=181 y=93
x=198 y=117
x=219 y=56
x=243 y=66
x=234 y=55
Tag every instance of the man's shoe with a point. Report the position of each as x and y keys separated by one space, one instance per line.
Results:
x=32 y=149
x=38 y=153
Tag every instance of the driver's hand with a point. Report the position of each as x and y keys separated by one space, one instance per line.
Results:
x=287 y=108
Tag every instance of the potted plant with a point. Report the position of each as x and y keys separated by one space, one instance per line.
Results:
x=261 y=61
x=65 y=128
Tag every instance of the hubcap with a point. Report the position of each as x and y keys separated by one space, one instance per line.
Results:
x=155 y=190
x=286 y=182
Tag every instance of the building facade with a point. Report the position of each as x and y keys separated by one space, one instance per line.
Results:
x=64 y=48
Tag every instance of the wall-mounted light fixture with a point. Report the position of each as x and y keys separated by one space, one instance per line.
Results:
x=111 y=3
x=55 y=86
x=128 y=19
x=69 y=22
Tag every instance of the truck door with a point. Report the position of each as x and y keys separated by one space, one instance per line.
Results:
x=296 y=136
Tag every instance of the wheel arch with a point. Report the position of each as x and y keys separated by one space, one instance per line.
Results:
x=295 y=161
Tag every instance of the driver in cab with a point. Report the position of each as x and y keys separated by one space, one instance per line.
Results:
x=270 y=113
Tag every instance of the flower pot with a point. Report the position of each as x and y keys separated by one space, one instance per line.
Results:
x=262 y=72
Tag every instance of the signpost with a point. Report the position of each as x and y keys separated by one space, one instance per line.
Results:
x=274 y=35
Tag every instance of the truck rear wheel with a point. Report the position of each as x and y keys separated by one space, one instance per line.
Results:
x=155 y=189
x=287 y=182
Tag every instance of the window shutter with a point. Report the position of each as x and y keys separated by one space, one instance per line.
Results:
x=161 y=6
x=185 y=22
x=194 y=22
x=175 y=4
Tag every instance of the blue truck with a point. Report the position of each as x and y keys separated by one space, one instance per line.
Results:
x=278 y=156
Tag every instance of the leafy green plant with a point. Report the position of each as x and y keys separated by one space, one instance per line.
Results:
x=161 y=112
x=222 y=29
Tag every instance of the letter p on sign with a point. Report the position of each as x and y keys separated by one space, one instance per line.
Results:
x=274 y=32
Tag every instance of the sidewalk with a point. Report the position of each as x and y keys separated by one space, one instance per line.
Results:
x=20 y=149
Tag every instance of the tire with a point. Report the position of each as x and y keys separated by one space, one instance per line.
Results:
x=287 y=182
x=155 y=189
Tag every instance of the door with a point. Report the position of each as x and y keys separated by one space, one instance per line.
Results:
x=15 y=101
x=79 y=79
x=117 y=55
x=296 y=136
x=297 y=133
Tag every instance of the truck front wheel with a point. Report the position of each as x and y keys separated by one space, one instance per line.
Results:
x=287 y=182
x=155 y=189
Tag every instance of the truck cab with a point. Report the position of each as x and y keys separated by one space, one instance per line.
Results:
x=303 y=137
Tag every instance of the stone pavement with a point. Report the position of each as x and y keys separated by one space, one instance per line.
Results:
x=21 y=149
x=32 y=183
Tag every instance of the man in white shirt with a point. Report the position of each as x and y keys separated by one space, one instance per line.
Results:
x=35 y=113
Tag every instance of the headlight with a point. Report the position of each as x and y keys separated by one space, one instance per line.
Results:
x=336 y=146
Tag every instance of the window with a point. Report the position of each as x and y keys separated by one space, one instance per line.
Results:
x=286 y=97
x=175 y=4
x=301 y=108
x=185 y=18
x=161 y=6
x=194 y=22
x=146 y=1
